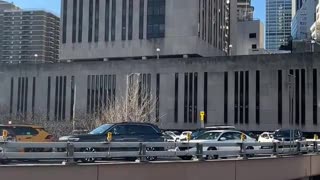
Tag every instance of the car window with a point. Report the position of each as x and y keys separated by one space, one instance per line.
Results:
x=140 y=129
x=25 y=131
x=209 y=135
x=119 y=130
x=230 y=136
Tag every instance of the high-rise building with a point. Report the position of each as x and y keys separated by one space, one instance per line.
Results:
x=296 y=5
x=30 y=36
x=245 y=10
x=315 y=28
x=303 y=20
x=135 y=29
x=278 y=23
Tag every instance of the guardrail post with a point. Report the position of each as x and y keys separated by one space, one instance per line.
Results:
x=315 y=147
x=199 y=152
x=275 y=149
x=243 y=152
x=70 y=154
x=142 y=152
x=299 y=147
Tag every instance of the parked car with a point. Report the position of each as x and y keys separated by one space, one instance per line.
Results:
x=200 y=131
x=219 y=136
x=184 y=135
x=266 y=137
x=172 y=136
x=284 y=135
x=121 y=132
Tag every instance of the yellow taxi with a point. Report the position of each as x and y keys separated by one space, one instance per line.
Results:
x=28 y=133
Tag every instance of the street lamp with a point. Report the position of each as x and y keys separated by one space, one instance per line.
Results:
x=35 y=57
x=230 y=47
x=158 y=51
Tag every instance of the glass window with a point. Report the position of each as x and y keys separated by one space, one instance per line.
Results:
x=156 y=19
x=140 y=129
x=252 y=35
x=230 y=136
x=25 y=131
x=209 y=135
x=101 y=129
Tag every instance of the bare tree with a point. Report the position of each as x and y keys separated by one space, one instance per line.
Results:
x=138 y=105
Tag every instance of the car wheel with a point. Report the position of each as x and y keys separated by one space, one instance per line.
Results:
x=210 y=157
x=250 y=148
x=151 y=158
x=88 y=159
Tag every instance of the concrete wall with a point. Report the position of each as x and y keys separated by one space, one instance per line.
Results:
x=216 y=69
x=299 y=167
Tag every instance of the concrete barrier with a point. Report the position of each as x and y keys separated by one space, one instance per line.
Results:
x=263 y=169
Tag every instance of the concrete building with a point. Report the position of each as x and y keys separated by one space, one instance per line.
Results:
x=251 y=92
x=315 y=28
x=296 y=5
x=245 y=10
x=278 y=23
x=29 y=36
x=303 y=20
x=135 y=29
x=250 y=37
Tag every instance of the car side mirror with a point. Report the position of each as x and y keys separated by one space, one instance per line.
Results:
x=223 y=139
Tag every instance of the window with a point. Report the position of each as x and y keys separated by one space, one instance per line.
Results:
x=157 y=98
x=11 y=95
x=48 y=98
x=156 y=19
x=195 y=98
x=186 y=97
x=252 y=35
x=226 y=97
x=297 y=95
x=64 y=21
x=205 y=95
x=236 y=96
x=107 y=12
x=124 y=19
x=74 y=21
x=241 y=97
x=96 y=21
x=90 y=21
x=72 y=104
x=303 y=97
x=130 y=19
x=176 y=97
x=190 y=96
x=33 y=95
x=80 y=21
x=280 y=97
x=254 y=46
x=141 y=19
x=315 y=96
x=25 y=131
x=246 y=101
x=257 y=97
x=140 y=130
x=209 y=136
x=113 y=21
x=231 y=136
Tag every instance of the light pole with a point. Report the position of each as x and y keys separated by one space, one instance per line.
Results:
x=158 y=53
x=230 y=47
x=35 y=57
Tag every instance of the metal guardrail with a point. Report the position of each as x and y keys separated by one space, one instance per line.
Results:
x=70 y=151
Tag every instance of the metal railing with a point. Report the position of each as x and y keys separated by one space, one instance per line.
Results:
x=70 y=151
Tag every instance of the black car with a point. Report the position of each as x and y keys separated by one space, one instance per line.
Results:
x=288 y=135
x=121 y=132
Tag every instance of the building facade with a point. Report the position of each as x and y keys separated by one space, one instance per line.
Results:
x=245 y=10
x=315 y=28
x=135 y=29
x=278 y=23
x=29 y=36
x=296 y=5
x=250 y=37
x=303 y=20
x=250 y=92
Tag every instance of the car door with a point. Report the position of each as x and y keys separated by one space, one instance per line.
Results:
x=118 y=133
x=25 y=134
x=230 y=137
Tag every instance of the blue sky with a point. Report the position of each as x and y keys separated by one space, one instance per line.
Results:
x=54 y=6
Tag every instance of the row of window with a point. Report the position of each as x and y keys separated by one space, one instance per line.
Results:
x=155 y=19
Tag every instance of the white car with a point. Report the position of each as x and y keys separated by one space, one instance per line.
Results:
x=184 y=135
x=266 y=137
x=172 y=135
x=219 y=136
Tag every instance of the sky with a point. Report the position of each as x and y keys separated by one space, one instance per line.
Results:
x=54 y=6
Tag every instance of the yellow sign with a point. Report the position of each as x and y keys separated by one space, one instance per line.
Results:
x=316 y=137
x=5 y=133
x=189 y=136
x=243 y=137
x=202 y=114
x=109 y=137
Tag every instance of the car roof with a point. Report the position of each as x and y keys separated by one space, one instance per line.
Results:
x=222 y=131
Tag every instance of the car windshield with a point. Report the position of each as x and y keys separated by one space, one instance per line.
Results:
x=209 y=135
x=101 y=129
